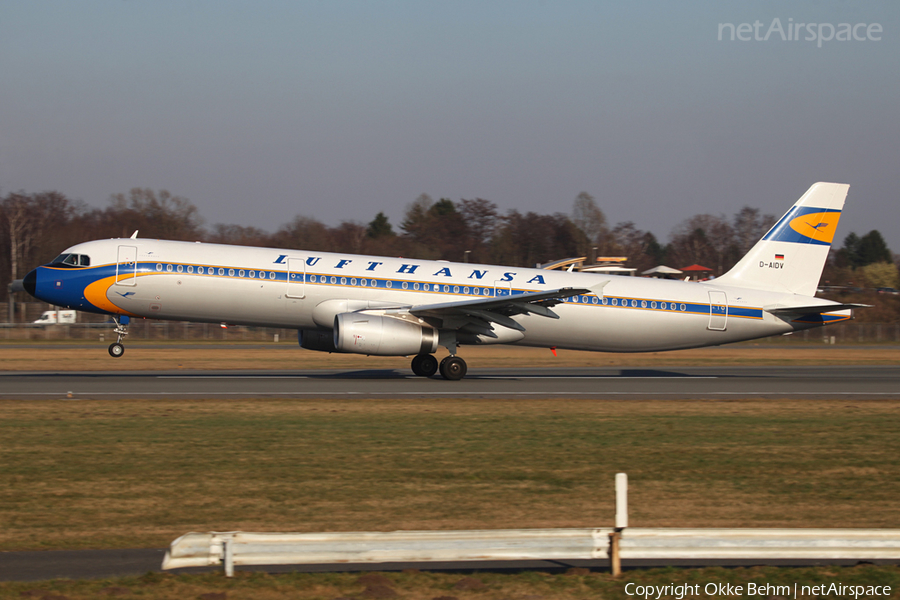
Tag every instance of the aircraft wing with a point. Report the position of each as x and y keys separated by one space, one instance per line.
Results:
x=478 y=315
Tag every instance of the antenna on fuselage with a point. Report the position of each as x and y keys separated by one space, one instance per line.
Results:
x=134 y=235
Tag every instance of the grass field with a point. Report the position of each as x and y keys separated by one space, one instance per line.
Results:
x=116 y=474
x=573 y=585
x=145 y=356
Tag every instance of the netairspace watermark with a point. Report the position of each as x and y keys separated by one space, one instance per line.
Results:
x=795 y=32
x=686 y=590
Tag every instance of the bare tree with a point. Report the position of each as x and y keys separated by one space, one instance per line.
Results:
x=20 y=229
x=160 y=215
x=34 y=224
x=480 y=219
x=749 y=227
x=349 y=237
x=705 y=238
x=303 y=233
x=530 y=239
x=641 y=247
x=588 y=217
x=239 y=235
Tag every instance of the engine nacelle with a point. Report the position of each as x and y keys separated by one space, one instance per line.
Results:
x=383 y=336
x=321 y=340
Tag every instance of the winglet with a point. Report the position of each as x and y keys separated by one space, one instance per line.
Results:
x=598 y=288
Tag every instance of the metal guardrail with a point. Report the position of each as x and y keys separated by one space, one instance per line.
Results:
x=853 y=544
x=238 y=548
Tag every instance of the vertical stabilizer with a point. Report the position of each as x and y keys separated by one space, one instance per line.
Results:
x=791 y=256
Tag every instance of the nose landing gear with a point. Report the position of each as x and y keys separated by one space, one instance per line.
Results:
x=117 y=349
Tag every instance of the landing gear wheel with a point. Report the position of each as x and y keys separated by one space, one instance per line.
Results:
x=116 y=349
x=453 y=368
x=424 y=365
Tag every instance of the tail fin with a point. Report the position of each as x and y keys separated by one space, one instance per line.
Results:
x=791 y=256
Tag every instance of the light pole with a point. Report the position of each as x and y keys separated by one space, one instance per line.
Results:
x=466 y=256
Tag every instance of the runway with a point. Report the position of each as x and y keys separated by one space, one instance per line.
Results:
x=868 y=382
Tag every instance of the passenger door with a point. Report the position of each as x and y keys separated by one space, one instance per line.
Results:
x=296 y=279
x=126 y=266
x=718 y=311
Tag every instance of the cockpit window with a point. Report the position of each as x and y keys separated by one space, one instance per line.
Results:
x=72 y=260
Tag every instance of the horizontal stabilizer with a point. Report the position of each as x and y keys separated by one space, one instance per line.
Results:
x=818 y=309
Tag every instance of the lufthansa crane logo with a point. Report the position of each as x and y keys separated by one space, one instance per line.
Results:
x=818 y=226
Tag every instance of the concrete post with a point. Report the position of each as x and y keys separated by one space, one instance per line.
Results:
x=615 y=562
x=621 y=500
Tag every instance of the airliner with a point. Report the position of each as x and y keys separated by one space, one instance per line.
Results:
x=407 y=307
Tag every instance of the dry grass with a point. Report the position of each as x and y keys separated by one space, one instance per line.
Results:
x=108 y=474
x=93 y=357
x=574 y=584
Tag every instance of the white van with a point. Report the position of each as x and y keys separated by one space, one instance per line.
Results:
x=57 y=317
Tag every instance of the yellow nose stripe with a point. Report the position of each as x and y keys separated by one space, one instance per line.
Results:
x=95 y=293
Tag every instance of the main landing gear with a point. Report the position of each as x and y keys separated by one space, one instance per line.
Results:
x=424 y=365
x=116 y=349
x=452 y=367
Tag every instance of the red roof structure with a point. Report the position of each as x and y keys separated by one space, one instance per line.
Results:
x=696 y=268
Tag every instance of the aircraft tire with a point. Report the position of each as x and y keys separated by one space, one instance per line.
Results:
x=453 y=368
x=424 y=365
x=116 y=350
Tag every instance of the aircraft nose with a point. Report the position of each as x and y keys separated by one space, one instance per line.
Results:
x=30 y=282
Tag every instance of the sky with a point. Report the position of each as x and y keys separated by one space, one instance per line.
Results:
x=261 y=111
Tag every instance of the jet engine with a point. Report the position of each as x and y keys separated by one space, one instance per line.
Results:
x=363 y=333
x=321 y=340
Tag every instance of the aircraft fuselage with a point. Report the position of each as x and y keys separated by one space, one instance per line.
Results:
x=305 y=290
